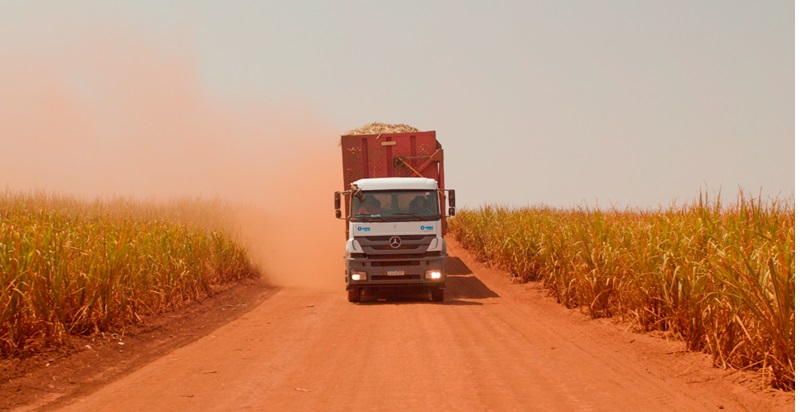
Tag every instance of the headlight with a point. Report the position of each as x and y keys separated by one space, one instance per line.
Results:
x=356 y=275
x=433 y=274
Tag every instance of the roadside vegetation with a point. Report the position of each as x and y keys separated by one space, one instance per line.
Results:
x=69 y=266
x=721 y=278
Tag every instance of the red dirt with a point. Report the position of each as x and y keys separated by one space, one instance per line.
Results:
x=492 y=345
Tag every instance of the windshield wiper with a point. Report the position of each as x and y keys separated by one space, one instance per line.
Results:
x=370 y=218
x=417 y=216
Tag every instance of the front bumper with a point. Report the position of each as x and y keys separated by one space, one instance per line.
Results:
x=395 y=272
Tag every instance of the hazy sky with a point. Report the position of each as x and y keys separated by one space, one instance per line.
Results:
x=563 y=103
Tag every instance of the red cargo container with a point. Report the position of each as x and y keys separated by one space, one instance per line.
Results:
x=414 y=154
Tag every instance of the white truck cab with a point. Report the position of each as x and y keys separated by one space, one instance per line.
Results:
x=395 y=236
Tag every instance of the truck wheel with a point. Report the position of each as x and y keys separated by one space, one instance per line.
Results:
x=354 y=295
x=437 y=295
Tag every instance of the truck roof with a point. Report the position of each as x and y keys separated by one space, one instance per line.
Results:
x=396 y=183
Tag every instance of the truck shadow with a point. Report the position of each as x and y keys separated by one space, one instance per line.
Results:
x=461 y=284
x=404 y=297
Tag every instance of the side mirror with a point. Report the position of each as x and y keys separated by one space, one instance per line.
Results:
x=451 y=198
x=337 y=204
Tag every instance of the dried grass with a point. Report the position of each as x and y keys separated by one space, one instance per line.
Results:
x=721 y=278
x=378 y=128
x=69 y=266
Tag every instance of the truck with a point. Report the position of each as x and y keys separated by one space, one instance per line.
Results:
x=395 y=209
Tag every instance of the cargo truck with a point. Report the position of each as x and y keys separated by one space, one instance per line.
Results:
x=395 y=208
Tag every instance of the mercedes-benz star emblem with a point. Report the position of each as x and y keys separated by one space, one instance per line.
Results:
x=394 y=242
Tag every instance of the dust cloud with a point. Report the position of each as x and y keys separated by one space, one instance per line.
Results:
x=111 y=114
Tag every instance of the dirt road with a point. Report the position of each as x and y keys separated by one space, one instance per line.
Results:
x=491 y=346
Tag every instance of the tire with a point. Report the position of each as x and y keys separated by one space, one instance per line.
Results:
x=437 y=295
x=354 y=295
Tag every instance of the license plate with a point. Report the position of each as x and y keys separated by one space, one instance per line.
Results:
x=395 y=272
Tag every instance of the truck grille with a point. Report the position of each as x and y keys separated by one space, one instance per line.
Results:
x=375 y=246
x=382 y=263
x=402 y=247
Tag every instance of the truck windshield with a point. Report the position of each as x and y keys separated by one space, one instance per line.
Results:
x=396 y=206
